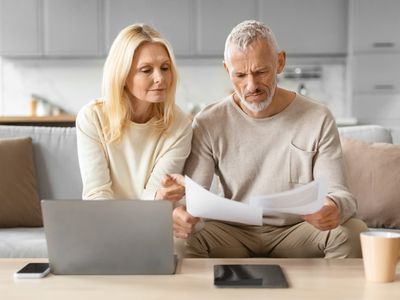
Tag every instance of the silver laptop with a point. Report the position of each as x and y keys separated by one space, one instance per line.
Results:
x=109 y=237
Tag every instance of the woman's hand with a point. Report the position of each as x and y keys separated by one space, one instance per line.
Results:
x=184 y=223
x=172 y=188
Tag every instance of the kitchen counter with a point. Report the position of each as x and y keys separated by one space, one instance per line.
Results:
x=64 y=120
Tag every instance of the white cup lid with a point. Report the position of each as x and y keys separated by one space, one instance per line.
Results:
x=382 y=233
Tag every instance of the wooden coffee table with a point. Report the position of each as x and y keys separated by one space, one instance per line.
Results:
x=308 y=279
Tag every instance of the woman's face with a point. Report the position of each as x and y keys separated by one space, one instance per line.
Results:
x=150 y=76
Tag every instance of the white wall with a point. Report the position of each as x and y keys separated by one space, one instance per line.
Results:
x=67 y=83
x=72 y=83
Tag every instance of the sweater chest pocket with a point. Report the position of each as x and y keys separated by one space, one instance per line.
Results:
x=300 y=164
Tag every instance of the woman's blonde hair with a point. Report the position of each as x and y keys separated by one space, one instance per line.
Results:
x=117 y=107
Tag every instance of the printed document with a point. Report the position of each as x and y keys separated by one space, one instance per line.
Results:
x=306 y=199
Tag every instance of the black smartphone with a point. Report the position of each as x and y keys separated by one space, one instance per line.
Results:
x=261 y=276
x=33 y=270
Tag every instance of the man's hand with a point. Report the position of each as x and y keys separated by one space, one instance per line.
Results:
x=184 y=223
x=172 y=188
x=326 y=218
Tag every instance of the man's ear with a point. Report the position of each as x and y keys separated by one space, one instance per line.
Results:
x=281 y=61
x=225 y=67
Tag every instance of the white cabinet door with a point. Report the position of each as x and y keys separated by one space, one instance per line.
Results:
x=72 y=28
x=215 y=20
x=19 y=27
x=307 y=26
x=369 y=108
x=172 y=18
x=375 y=25
x=376 y=73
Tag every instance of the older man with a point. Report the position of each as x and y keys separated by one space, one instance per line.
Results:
x=264 y=139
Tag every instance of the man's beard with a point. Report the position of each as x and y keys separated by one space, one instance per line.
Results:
x=255 y=107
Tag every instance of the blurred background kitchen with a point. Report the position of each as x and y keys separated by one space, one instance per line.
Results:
x=343 y=53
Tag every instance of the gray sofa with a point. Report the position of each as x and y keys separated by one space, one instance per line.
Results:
x=58 y=176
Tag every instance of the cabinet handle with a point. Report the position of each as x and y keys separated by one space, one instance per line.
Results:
x=383 y=45
x=383 y=87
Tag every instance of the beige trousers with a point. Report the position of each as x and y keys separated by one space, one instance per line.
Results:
x=219 y=239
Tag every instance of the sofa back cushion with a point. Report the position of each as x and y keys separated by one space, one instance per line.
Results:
x=367 y=133
x=55 y=159
x=19 y=201
x=373 y=174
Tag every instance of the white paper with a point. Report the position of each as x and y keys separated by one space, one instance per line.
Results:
x=204 y=204
x=303 y=200
x=306 y=199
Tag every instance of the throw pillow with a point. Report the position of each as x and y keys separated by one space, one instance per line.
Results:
x=373 y=174
x=19 y=200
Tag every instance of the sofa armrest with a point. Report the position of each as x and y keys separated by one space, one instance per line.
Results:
x=395 y=131
x=367 y=133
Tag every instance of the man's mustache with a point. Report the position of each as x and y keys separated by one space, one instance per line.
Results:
x=255 y=93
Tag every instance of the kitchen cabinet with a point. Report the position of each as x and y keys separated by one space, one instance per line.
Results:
x=377 y=108
x=215 y=20
x=173 y=18
x=195 y=28
x=20 y=27
x=307 y=27
x=47 y=28
x=375 y=73
x=374 y=61
x=72 y=28
x=374 y=24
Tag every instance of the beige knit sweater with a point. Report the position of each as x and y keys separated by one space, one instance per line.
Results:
x=255 y=157
x=132 y=168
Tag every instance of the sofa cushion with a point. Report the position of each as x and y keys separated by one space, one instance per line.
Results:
x=373 y=173
x=19 y=201
x=55 y=157
x=23 y=242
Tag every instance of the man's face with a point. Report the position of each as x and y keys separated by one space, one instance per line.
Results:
x=253 y=74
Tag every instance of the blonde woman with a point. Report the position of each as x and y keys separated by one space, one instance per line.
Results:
x=132 y=138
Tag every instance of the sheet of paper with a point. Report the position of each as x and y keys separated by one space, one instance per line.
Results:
x=204 y=204
x=303 y=200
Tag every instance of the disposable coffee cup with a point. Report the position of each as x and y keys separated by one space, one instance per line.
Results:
x=381 y=251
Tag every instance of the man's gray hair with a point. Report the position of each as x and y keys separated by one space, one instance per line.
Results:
x=243 y=34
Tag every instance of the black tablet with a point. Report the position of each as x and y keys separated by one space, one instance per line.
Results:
x=257 y=276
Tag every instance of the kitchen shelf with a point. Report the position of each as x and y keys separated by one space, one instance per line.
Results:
x=58 y=121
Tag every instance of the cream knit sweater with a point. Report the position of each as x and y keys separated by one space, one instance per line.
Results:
x=132 y=168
